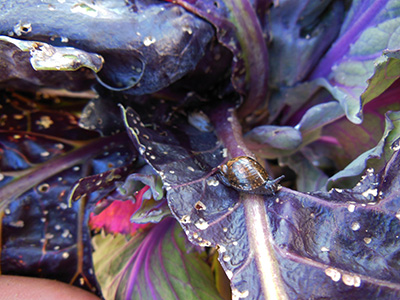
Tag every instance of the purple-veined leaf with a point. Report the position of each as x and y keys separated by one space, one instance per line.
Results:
x=381 y=152
x=328 y=138
x=239 y=29
x=369 y=28
x=279 y=137
x=324 y=240
x=386 y=72
x=41 y=235
x=101 y=114
x=154 y=265
x=211 y=214
x=301 y=32
x=310 y=176
x=344 y=241
x=148 y=42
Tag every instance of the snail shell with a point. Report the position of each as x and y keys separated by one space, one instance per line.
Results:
x=245 y=174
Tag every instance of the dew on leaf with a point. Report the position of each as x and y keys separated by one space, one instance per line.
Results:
x=205 y=243
x=201 y=224
x=350 y=280
x=370 y=192
x=45 y=154
x=148 y=40
x=236 y=294
x=212 y=182
x=65 y=233
x=187 y=29
x=45 y=122
x=49 y=236
x=367 y=240
x=59 y=146
x=221 y=249
x=351 y=208
x=229 y=274
x=200 y=206
x=333 y=274
x=185 y=219
x=355 y=226
x=226 y=258
x=225 y=153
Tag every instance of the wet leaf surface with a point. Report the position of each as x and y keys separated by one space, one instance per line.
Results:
x=42 y=235
x=162 y=114
x=150 y=42
x=332 y=237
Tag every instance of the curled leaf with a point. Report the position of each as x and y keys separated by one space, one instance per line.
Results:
x=47 y=57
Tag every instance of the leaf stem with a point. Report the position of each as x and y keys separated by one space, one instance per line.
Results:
x=257 y=221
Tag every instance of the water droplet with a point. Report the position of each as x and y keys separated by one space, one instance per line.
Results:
x=333 y=274
x=355 y=226
x=148 y=40
x=201 y=224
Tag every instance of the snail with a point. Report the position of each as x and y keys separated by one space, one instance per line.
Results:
x=245 y=174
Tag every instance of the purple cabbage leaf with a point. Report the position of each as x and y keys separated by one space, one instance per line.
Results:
x=356 y=58
x=44 y=152
x=240 y=31
x=173 y=89
x=145 y=46
x=318 y=233
x=152 y=265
